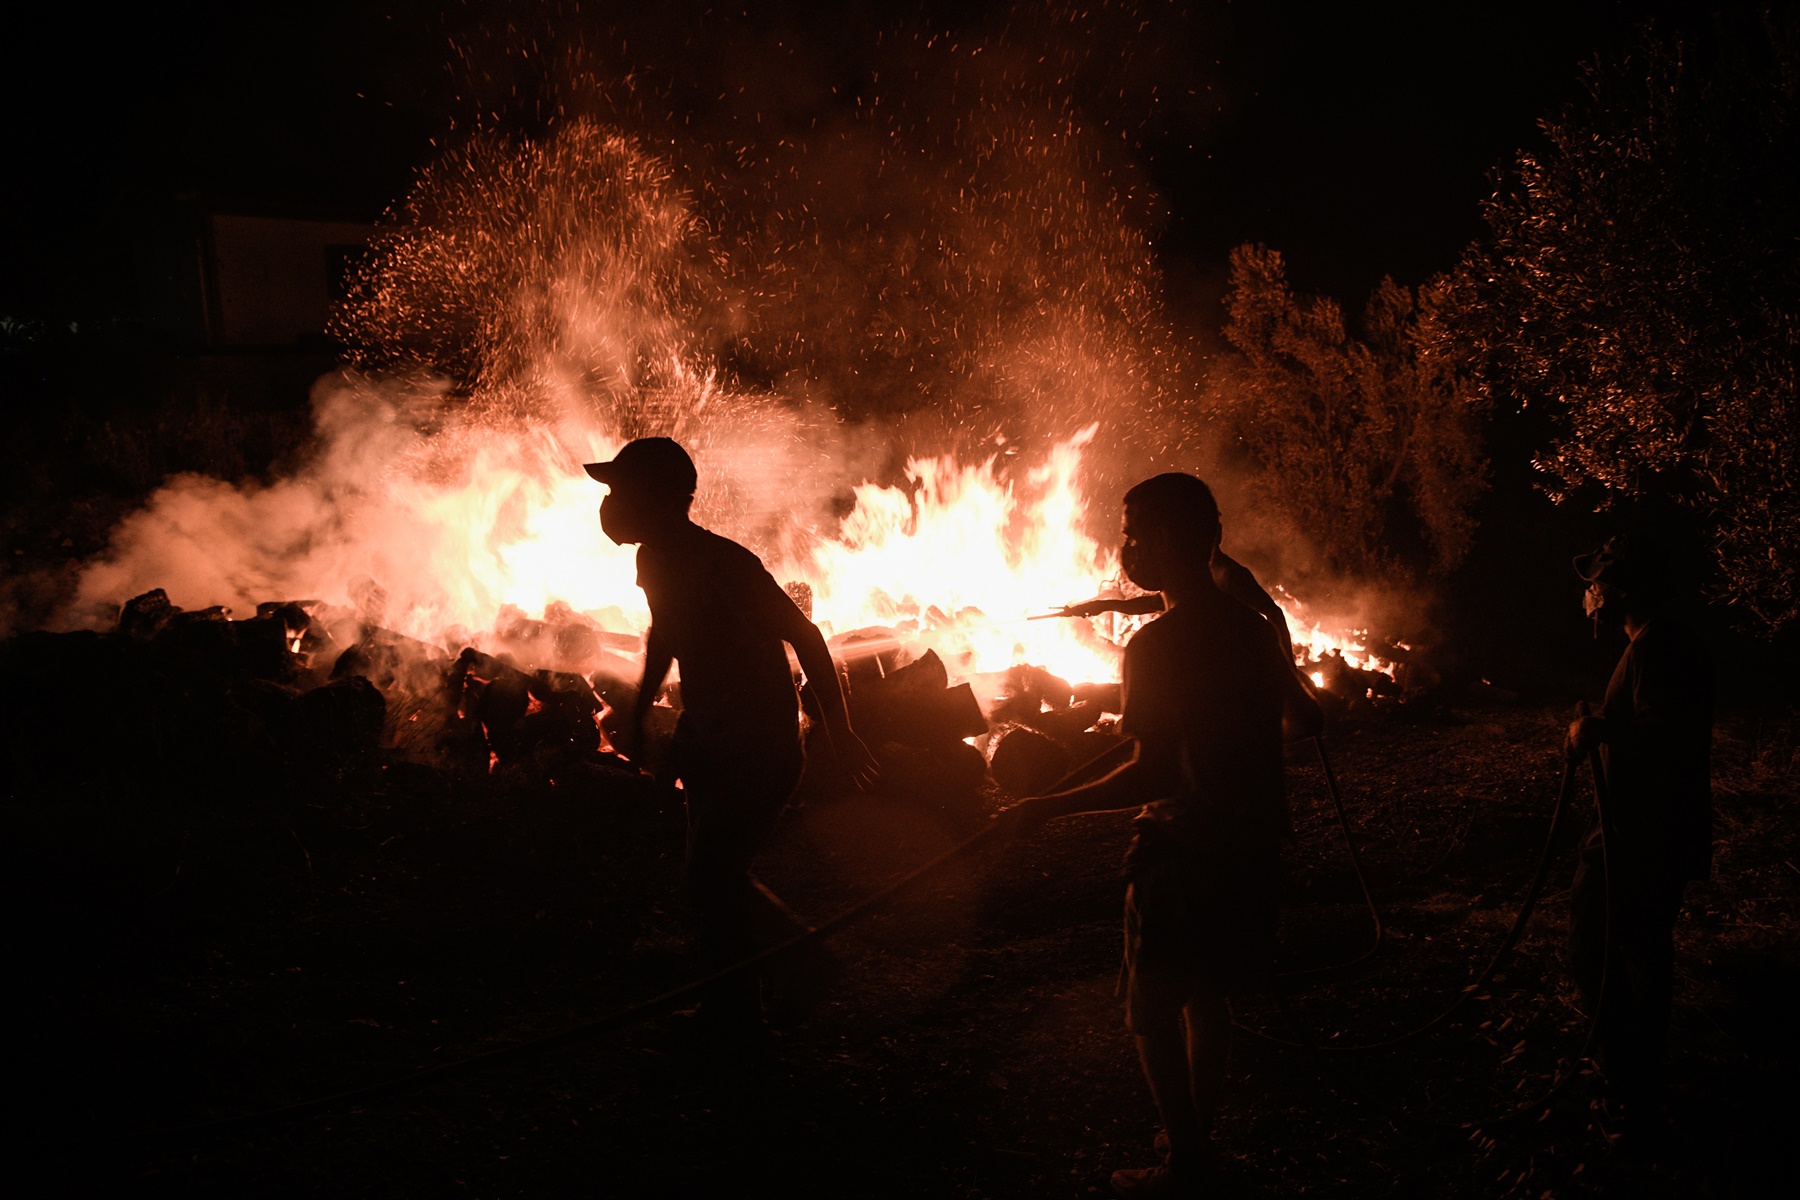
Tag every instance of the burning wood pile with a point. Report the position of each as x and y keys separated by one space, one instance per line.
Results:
x=311 y=694
x=191 y=694
x=305 y=694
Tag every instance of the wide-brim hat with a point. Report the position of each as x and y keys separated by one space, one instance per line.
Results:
x=649 y=464
x=1624 y=561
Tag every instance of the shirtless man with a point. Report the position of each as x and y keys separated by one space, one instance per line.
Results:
x=1205 y=685
x=737 y=748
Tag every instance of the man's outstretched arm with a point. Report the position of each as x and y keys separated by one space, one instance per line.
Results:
x=1140 y=779
x=1149 y=602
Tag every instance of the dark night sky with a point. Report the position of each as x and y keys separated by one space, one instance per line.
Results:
x=1357 y=138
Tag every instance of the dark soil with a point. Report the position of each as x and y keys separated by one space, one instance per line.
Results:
x=179 y=968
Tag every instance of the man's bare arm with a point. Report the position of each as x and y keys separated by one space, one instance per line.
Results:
x=815 y=660
x=656 y=669
x=1144 y=777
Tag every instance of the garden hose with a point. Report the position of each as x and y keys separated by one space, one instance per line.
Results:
x=641 y=1011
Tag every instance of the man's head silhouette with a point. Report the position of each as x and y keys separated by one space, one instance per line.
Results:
x=651 y=484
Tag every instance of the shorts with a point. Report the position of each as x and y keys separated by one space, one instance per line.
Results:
x=733 y=799
x=1198 y=924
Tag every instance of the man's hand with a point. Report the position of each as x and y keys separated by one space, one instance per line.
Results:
x=1586 y=732
x=855 y=758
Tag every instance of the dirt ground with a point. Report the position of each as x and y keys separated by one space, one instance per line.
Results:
x=973 y=1047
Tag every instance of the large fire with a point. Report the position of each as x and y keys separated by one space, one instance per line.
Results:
x=956 y=561
x=962 y=563
x=455 y=526
x=575 y=295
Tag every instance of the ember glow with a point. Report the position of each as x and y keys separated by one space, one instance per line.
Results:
x=1313 y=641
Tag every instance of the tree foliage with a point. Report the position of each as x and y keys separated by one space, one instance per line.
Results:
x=1350 y=437
x=1641 y=283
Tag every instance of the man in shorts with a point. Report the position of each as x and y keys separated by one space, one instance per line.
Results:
x=1205 y=686
x=737 y=748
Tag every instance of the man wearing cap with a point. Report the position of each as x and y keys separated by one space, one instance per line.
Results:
x=1654 y=734
x=737 y=749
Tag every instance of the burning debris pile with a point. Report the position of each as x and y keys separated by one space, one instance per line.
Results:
x=925 y=593
x=306 y=694
x=533 y=304
x=188 y=694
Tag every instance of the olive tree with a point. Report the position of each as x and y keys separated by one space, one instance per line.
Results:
x=1350 y=435
x=1640 y=286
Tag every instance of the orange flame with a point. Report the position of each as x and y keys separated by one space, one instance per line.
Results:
x=458 y=518
x=1313 y=641
x=961 y=562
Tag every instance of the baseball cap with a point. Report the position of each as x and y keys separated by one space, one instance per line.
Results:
x=651 y=464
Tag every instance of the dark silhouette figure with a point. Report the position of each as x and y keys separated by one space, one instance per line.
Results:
x=737 y=748
x=1205 y=687
x=1654 y=733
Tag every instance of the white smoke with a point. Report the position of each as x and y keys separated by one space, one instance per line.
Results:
x=403 y=486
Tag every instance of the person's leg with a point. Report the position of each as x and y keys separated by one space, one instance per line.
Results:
x=1604 y=918
x=1154 y=1007
x=1586 y=949
x=739 y=916
x=723 y=900
x=1162 y=1048
x=1209 y=1040
x=1637 y=1030
x=761 y=795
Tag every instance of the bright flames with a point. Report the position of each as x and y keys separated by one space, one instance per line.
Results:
x=961 y=564
x=955 y=562
x=1313 y=642
x=455 y=523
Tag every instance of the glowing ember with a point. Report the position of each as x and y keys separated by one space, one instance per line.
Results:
x=1313 y=642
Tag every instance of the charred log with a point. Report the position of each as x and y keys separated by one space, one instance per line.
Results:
x=525 y=712
x=1026 y=762
x=915 y=706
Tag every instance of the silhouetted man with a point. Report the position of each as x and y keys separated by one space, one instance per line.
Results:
x=1654 y=733
x=1205 y=685
x=737 y=749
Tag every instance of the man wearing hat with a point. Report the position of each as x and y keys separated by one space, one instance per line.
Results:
x=737 y=750
x=1654 y=734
